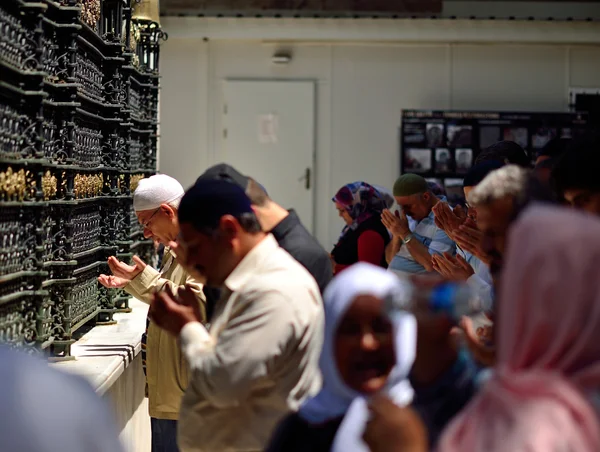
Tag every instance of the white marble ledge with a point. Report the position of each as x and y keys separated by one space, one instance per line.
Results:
x=104 y=352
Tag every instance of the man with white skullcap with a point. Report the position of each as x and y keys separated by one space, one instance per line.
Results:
x=156 y=202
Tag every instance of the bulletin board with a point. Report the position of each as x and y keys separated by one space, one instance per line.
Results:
x=442 y=145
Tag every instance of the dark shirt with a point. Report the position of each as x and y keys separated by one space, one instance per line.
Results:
x=294 y=434
x=293 y=237
x=439 y=402
x=436 y=403
x=212 y=295
x=345 y=251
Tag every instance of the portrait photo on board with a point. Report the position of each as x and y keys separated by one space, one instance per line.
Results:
x=443 y=161
x=435 y=135
x=464 y=160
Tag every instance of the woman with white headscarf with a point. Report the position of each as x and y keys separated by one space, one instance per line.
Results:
x=365 y=352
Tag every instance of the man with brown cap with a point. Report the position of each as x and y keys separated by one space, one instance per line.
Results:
x=415 y=234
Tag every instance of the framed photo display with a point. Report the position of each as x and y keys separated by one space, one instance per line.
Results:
x=443 y=145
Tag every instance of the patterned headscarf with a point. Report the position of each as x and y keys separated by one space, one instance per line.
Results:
x=361 y=201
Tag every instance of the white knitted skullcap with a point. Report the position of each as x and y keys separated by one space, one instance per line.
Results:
x=155 y=190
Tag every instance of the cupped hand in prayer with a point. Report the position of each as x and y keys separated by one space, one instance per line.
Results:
x=394 y=429
x=446 y=218
x=469 y=238
x=122 y=270
x=113 y=282
x=453 y=268
x=172 y=312
x=396 y=224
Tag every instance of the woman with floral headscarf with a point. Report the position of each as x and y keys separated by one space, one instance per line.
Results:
x=364 y=237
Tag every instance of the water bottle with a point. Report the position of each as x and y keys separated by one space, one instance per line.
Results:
x=452 y=299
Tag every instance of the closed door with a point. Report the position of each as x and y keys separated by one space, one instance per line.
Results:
x=269 y=136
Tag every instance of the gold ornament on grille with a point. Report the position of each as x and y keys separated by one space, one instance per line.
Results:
x=134 y=36
x=88 y=185
x=134 y=181
x=14 y=185
x=49 y=185
x=90 y=13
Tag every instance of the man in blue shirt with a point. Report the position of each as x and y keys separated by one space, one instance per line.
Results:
x=416 y=237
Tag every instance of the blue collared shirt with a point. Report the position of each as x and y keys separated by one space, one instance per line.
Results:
x=481 y=282
x=426 y=232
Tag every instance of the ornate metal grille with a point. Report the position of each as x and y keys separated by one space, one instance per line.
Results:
x=77 y=132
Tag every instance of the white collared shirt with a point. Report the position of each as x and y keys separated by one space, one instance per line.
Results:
x=260 y=359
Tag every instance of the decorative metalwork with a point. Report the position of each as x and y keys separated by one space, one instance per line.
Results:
x=89 y=75
x=88 y=185
x=18 y=42
x=134 y=37
x=90 y=13
x=16 y=185
x=78 y=130
x=150 y=36
x=49 y=185
x=17 y=133
x=134 y=181
x=87 y=149
x=113 y=20
x=17 y=241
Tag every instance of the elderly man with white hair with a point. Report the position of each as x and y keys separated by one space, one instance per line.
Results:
x=156 y=201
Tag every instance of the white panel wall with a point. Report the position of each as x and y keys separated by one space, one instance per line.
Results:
x=509 y=78
x=361 y=89
x=184 y=114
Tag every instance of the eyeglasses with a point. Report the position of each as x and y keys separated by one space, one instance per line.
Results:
x=147 y=222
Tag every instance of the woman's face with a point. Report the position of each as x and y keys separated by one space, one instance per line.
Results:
x=364 y=345
x=343 y=213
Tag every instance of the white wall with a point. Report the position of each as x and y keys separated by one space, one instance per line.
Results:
x=361 y=89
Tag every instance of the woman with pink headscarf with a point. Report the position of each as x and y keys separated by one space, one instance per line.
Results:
x=542 y=395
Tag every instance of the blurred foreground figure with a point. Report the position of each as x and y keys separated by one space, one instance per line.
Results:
x=44 y=410
x=543 y=394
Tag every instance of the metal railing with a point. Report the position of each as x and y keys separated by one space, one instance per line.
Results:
x=78 y=129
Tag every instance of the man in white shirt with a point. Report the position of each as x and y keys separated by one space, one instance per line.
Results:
x=259 y=360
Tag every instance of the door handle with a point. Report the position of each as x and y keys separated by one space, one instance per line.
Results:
x=306 y=179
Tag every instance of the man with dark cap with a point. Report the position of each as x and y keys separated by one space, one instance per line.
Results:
x=507 y=152
x=416 y=237
x=548 y=156
x=576 y=175
x=285 y=225
x=260 y=359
